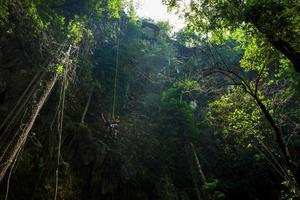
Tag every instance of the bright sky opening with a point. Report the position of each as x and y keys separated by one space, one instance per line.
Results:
x=157 y=11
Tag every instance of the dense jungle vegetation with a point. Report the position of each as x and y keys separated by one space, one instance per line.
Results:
x=209 y=112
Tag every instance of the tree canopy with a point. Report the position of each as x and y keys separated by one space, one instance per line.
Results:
x=99 y=103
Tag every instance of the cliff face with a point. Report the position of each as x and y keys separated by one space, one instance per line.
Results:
x=92 y=164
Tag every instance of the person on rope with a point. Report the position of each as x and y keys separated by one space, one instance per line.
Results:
x=111 y=124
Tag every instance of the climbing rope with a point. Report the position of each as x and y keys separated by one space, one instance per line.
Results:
x=60 y=118
x=116 y=71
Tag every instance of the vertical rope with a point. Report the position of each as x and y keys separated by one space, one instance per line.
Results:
x=59 y=126
x=60 y=118
x=28 y=126
x=116 y=71
x=10 y=173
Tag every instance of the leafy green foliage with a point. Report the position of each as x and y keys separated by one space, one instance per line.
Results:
x=212 y=186
x=268 y=21
x=77 y=30
x=181 y=91
x=3 y=12
x=59 y=69
x=132 y=14
x=114 y=8
x=238 y=116
x=110 y=8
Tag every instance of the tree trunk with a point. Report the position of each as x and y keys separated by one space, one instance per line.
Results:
x=280 y=141
x=200 y=171
x=87 y=105
x=12 y=154
x=193 y=173
x=286 y=49
x=35 y=79
x=278 y=43
x=202 y=176
x=282 y=46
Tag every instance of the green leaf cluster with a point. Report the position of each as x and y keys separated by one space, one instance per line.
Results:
x=182 y=91
x=77 y=29
x=238 y=116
